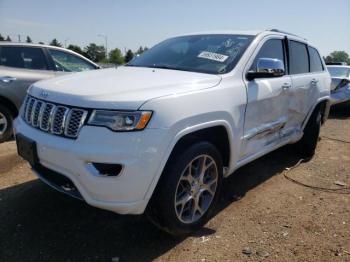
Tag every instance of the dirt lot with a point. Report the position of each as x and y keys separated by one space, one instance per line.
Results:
x=262 y=215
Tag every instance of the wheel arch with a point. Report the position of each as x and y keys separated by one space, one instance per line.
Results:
x=9 y=104
x=324 y=105
x=216 y=135
x=192 y=134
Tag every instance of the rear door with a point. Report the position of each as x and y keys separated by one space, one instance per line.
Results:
x=21 y=66
x=306 y=70
x=268 y=100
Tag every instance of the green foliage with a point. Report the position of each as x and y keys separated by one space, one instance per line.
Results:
x=338 y=56
x=76 y=49
x=55 y=42
x=95 y=52
x=116 y=56
x=141 y=50
x=128 y=56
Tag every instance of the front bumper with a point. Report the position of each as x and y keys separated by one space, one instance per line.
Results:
x=340 y=95
x=140 y=154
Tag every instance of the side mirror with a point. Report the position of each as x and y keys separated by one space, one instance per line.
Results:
x=267 y=68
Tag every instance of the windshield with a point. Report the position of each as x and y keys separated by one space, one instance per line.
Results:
x=341 y=72
x=213 y=54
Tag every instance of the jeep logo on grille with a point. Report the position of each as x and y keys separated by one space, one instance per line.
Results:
x=44 y=94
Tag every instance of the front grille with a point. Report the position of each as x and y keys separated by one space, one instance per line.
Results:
x=54 y=119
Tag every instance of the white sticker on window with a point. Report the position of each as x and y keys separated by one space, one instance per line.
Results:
x=213 y=56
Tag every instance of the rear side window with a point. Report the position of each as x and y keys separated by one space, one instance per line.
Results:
x=299 y=59
x=271 y=49
x=23 y=57
x=315 y=60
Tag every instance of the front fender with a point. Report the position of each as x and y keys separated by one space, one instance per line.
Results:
x=180 y=133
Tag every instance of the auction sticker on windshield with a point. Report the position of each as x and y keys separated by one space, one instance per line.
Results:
x=213 y=56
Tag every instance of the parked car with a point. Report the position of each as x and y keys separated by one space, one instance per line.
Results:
x=161 y=133
x=23 y=64
x=340 y=87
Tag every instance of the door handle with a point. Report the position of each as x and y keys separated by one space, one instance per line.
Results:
x=286 y=86
x=7 y=79
x=314 y=81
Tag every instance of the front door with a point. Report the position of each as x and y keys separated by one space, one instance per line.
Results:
x=268 y=102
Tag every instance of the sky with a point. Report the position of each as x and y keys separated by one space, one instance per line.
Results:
x=134 y=23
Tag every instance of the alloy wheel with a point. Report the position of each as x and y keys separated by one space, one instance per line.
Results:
x=3 y=123
x=196 y=189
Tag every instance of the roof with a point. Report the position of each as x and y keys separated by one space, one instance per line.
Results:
x=347 y=66
x=30 y=45
x=2 y=43
x=226 y=32
x=247 y=32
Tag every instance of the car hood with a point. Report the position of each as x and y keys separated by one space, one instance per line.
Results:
x=124 y=87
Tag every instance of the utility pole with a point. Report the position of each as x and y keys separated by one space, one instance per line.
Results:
x=19 y=38
x=105 y=37
x=65 y=42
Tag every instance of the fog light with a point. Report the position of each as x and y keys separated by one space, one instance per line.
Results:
x=108 y=169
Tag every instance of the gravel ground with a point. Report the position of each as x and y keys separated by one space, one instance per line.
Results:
x=262 y=215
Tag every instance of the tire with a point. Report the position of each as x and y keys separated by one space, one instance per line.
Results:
x=6 y=123
x=168 y=208
x=308 y=143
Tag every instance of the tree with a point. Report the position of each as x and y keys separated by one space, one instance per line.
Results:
x=96 y=53
x=128 y=56
x=141 y=50
x=116 y=56
x=8 y=39
x=29 y=40
x=338 y=56
x=2 y=38
x=76 y=49
x=55 y=42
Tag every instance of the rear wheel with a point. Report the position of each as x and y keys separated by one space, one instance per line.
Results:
x=188 y=190
x=308 y=143
x=6 y=121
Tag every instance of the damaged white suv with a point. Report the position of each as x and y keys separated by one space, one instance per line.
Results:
x=159 y=134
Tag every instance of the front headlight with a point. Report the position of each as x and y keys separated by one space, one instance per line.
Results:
x=119 y=120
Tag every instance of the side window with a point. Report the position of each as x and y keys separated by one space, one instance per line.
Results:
x=67 y=62
x=271 y=49
x=299 y=59
x=315 y=60
x=23 y=57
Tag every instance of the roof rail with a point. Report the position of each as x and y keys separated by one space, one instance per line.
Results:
x=284 y=32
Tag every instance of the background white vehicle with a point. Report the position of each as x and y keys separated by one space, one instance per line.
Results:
x=340 y=87
x=161 y=133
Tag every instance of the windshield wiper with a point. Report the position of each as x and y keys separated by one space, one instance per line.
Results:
x=133 y=65
x=155 y=66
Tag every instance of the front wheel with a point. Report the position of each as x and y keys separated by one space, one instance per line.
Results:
x=188 y=189
x=6 y=119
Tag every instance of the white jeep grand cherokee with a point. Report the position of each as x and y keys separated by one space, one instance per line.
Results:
x=160 y=133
